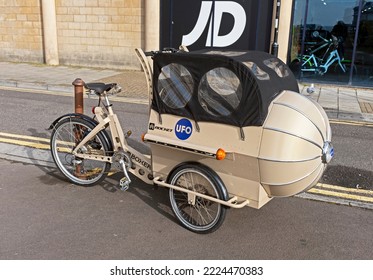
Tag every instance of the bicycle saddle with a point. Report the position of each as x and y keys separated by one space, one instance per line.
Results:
x=100 y=88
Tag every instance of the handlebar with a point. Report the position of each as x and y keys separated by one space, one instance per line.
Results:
x=165 y=50
x=316 y=34
x=328 y=42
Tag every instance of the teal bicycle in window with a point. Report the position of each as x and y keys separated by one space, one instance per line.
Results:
x=311 y=63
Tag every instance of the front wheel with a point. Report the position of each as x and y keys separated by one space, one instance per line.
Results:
x=200 y=215
x=66 y=135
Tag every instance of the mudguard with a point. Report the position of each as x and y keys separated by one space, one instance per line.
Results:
x=86 y=118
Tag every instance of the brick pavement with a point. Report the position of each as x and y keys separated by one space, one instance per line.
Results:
x=133 y=84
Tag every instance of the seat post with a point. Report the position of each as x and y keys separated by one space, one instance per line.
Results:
x=108 y=104
x=78 y=93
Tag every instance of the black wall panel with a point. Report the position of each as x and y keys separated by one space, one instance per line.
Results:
x=239 y=24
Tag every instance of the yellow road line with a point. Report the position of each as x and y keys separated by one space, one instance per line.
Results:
x=24 y=137
x=33 y=145
x=341 y=195
x=343 y=189
x=25 y=143
x=356 y=123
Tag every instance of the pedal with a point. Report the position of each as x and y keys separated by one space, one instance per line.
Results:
x=124 y=184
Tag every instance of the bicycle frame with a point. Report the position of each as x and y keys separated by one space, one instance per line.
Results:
x=331 y=60
x=312 y=61
x=142 y=168
x=141 y=165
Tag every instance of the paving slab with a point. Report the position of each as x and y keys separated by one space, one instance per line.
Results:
x=347 y=100
x=365 y=95
x=328 y=98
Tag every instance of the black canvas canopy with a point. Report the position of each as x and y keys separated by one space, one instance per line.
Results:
x=230 y=87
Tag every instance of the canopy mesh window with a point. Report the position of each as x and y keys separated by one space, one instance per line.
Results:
x=219 y=91
x=175 y=85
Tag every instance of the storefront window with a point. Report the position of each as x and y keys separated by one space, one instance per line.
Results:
x=364 y=46
x=332 y=41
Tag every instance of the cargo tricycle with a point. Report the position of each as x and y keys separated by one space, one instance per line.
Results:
x=226 y=129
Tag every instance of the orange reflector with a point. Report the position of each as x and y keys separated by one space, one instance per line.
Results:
x=143 y=137
x=220 y=154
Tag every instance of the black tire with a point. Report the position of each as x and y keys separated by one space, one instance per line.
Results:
x=300 y=71
x=65 y=136
x=204 y=216
x=295 y=67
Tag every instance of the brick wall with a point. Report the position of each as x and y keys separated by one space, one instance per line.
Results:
x=20 y=31
x=102 y=33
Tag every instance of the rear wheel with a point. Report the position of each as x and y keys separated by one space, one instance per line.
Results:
x=305 y=67
x=66 y=135
x=295 y=67
x=199 y=215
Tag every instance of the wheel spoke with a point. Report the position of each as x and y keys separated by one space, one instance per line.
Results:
x=66 y=135
x=203 y=215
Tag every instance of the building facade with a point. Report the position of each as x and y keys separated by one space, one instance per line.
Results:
x=322 y=40
x=99 y=33
x=104 y=33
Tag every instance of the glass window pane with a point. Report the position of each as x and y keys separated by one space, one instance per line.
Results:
x=363 y=70
x=328 y=40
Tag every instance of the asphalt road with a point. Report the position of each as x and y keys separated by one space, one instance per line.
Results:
x=42 y=216
x=352 y=165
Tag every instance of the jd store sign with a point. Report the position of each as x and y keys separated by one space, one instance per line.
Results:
x=240 y=24
x=211 y=16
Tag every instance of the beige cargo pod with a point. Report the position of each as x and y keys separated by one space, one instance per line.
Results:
x=247 y=103
x=295 y=145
